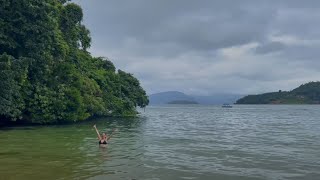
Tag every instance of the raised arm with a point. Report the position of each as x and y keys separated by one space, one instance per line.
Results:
x=97 y=132
x=113 y=131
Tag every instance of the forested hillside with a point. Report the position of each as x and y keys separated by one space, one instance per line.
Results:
x=305 y=94
x=46 y=73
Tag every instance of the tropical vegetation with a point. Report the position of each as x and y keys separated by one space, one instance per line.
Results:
x=47 y=74
x=308 y=93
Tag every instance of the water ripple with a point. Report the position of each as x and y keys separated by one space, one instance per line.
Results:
x=174 y=142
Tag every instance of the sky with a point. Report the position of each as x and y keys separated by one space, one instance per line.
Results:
x=204 y=47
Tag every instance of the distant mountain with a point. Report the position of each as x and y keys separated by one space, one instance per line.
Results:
x=169 y=96
x=166 y=97
x=218 y=99
x=183 y=102
x=305 y=94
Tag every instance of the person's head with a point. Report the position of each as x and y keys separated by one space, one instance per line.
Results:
x=104 y=135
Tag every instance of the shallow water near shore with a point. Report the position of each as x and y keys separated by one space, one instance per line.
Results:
x=172 y=142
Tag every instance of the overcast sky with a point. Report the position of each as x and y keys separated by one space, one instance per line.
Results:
x=209 y=46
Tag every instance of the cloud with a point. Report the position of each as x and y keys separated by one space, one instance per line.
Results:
x=208 y=46
x=269 y=47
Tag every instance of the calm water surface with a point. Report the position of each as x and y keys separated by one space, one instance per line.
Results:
x=173 y=142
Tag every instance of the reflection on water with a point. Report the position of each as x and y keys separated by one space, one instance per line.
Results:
x=174 y=142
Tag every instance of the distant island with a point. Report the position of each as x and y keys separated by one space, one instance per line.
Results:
x=308 y=93
x=183 y=102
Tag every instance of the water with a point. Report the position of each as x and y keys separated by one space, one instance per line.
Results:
x=174 y=142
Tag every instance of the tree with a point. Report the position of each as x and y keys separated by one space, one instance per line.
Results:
x=48 y=76
x=11 y=102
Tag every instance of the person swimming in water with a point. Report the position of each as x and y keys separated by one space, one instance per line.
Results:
x=103 y=138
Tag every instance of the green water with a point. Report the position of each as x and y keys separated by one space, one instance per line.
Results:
x=174 y=142
x=66 y=151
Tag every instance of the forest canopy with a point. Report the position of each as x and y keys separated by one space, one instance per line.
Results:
x=46 y=73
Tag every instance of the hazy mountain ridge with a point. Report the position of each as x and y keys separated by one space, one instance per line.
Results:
x=169 y=96
x=182 y=102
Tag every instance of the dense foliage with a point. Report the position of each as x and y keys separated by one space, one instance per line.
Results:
x=305 y=94
x=46 y=73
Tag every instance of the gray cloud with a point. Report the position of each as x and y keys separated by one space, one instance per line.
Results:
x=209 y=46
x=269 y=47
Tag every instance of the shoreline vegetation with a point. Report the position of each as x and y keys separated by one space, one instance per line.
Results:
x=47 y=76
x=308 y=93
